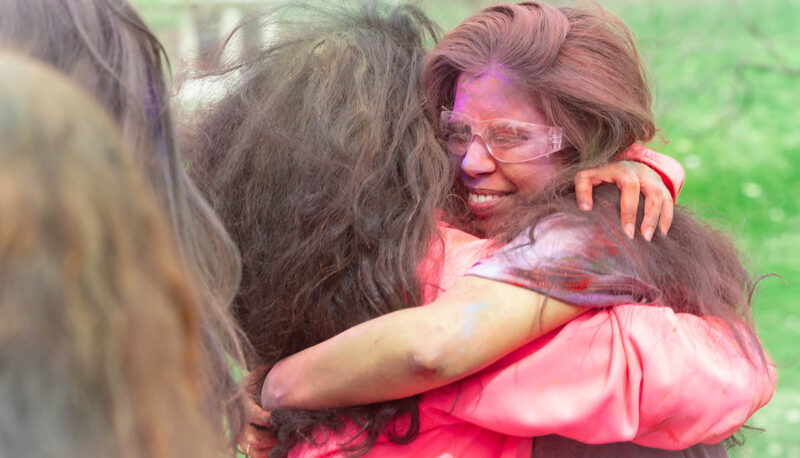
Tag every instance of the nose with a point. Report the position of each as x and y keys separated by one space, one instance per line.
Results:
x=477 y=160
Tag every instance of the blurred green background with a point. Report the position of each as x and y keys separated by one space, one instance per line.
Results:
x=726 y=76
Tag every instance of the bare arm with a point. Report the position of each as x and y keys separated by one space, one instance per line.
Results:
x=414 y=350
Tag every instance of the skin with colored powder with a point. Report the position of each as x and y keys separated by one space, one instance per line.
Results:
x=470 y=320
x=495 y=95
x=489 y=91
x=427 y=348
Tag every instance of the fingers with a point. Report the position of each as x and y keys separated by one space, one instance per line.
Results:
x=256 y=415
x=629 y=203
x=619 y=173
x=257 y=451
x=667 y=209
x=653 y=200
x=583 y=189
x=658 y=210
x=256 y=439
x=631 y=178
x=658 y=206
x=256 y=442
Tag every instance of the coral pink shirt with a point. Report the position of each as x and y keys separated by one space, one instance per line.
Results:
x=629 y=373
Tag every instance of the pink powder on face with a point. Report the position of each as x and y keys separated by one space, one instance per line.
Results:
x=494 y=95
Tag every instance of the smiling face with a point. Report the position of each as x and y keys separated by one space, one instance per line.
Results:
x=495 y=187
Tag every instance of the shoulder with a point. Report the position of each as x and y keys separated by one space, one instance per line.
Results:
x=451 y=254
x=557 y=236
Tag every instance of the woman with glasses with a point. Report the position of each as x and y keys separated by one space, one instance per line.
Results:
x=330 y=195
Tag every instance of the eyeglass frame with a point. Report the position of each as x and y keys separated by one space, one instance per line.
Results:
x=556 y=135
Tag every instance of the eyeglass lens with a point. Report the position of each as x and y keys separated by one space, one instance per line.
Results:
x=506 y=140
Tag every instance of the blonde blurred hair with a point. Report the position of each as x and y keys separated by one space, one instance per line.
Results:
x=100 y=331
x=106 y=47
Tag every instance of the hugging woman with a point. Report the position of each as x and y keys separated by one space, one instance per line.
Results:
x=326 y=168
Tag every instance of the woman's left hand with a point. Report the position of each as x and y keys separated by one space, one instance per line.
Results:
x=632 y=178
x=256 y=440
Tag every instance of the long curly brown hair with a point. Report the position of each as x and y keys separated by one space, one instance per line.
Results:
x=327 y=173
x=100 y=330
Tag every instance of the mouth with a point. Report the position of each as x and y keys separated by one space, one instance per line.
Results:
x=483 y=201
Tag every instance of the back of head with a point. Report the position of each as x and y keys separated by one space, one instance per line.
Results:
x=326 y=171
x=99 y=331
x=579 y=64
x=696 y=268
x=106 y=47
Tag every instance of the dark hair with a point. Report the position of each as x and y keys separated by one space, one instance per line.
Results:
x=100 y=338
x=697 y=269
x=582 y=68
x=106 y=47
x=326 y=171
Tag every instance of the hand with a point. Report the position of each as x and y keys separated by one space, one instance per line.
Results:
x=256 y=439
x=631 y=178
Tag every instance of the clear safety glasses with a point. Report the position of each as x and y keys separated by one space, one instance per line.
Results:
x=506 y=140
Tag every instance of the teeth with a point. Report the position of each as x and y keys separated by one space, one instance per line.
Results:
x=482 y=197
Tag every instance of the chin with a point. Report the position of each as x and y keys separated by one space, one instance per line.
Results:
x=492 y=224
x=488 y=225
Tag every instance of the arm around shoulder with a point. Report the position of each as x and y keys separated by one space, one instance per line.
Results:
x=410 y=351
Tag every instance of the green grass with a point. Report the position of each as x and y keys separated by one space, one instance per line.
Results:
x=727 y=89
x=730 y=110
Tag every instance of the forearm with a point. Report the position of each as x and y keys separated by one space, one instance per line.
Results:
x=414 y=350
x=348 y=369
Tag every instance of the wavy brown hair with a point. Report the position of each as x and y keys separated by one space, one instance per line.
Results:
x=326 y=172
x=108 y=49
x=581 y=67
x=100 y=330
x=579 y=64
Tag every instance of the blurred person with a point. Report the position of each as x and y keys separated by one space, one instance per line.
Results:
x=100 y=330
x=106 y=47
x=333 y=201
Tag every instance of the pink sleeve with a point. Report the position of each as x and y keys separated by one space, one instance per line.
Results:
x=629 y=373
x=668 y=168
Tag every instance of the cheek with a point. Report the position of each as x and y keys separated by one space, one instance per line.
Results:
x=529 y=178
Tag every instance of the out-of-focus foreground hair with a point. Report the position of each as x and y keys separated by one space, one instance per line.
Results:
x=106 y=47
x=100 y=344
x=326 y=171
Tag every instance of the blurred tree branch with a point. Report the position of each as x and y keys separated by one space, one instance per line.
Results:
x=742 y=88
x=781 y=65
